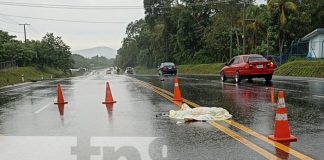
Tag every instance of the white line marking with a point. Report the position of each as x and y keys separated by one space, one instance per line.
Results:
x=15 y=89
x=43 y=108
x=316 y=81
x=42 y=82
x=318 y=96
x=22 y=87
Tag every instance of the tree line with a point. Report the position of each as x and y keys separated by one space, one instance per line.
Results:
x=92 y=63
x=51 y=51
x=210 y=31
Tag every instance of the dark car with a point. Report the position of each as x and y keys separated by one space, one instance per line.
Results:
x=129 y=70
x=167 y=68
x=108 y=71
x=248 y=67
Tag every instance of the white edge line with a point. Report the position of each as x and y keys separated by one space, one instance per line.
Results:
x=43 y=108
x=318 y=96
x=32 y=85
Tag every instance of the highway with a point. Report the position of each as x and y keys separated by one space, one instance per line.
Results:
x=137 y=126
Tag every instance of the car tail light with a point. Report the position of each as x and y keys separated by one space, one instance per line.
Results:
x=270 y=65
x=250 y=66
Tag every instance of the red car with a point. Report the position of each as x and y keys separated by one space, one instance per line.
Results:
x=248 y=67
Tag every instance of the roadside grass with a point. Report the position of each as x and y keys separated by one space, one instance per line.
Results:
x=14 y=76
x=299 y=68
x=145 y=70
x=213 y=68
x=302 y=68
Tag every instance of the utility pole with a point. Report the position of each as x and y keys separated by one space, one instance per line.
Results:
x=25 y=24
x=231 y=42
x=243 y=36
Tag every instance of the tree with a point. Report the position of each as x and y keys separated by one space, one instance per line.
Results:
x=280 y=9
x=50 y=51
x=209 y=31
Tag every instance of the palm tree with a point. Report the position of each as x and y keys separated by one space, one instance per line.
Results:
x=253 y=14
x=281 y=8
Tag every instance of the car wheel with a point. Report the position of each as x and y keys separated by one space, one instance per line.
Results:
x=268 y=78
x=237 y=77
x=223 y=78
x=250 y=79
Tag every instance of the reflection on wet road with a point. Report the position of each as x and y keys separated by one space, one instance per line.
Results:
x=253 y=104
x=89 y=126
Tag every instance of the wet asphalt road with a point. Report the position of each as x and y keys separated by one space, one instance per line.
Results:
x=30 y=121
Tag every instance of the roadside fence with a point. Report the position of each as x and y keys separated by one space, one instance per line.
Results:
x=8 y=65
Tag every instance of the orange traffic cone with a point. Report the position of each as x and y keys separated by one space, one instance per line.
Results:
x=282 y=154
x=109 y=98
x=176 y=91
x=272 y=95
x=60 y=98
x=61 y=109
x=281 y=127
x=110 y=108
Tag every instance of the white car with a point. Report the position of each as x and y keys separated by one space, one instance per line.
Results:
x=108 y=71
x=129 y=70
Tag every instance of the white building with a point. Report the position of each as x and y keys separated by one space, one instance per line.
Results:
x=316 y=43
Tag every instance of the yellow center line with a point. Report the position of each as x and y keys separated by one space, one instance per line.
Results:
x=244 y=141
x=227 y=131
x=241 y=127
x=267 y=140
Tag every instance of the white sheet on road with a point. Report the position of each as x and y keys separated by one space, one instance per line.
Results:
x=201 y=113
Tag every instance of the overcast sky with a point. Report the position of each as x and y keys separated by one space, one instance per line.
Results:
x=77 y=35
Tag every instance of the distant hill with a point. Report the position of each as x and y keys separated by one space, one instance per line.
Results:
x=101 y=51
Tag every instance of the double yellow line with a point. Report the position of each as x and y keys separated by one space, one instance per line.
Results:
x=168 y=95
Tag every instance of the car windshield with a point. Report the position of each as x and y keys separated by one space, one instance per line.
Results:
x=256 y=59
x=168 y=64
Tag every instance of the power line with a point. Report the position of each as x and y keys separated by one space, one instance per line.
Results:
x=64 y=20
x=25 y=24
x=58 y=6
x=8 y=30
x=7 y=22
x=39 y=5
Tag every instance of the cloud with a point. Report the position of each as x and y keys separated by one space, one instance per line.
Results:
x=77 y=35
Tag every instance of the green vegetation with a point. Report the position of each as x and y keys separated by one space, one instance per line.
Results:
x=14 y=75
x=302 y=68
x=200 y=68
x=186 y=69
x=95 y=62
x=49 y=57
x=51 y=52
x=201 y=32
x=145 y=70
